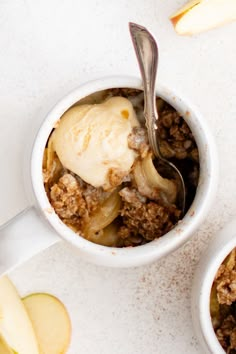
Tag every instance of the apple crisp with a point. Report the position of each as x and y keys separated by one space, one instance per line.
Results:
x=223 y=304
x=131 y=208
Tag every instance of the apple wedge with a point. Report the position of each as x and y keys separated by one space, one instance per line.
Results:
x=4 y=347
x=201 y=15
x=51 y=322
x=16 y=330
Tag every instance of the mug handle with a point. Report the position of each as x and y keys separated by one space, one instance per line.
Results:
x=23 y=237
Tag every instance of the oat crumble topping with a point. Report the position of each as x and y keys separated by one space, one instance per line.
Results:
x=223 y=304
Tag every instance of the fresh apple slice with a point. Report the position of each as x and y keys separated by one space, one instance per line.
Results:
x=51 y=322
x=4 y=347
x=15 y=325
x=201 y=15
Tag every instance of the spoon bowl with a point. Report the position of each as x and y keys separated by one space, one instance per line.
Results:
x=147 y=54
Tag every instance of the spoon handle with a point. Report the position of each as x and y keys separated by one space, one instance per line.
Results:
x=147 y=54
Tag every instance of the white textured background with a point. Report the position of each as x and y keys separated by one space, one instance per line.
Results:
x=47 y=48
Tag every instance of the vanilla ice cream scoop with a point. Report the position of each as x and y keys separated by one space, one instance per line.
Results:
x=92 y=140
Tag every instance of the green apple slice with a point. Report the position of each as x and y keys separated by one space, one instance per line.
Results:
x=15 y=326
x=51 y=322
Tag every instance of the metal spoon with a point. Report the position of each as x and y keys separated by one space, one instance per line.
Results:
x=147 y=54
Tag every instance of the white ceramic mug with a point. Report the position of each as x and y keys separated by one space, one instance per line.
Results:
x=39 y=226
x=221 y=245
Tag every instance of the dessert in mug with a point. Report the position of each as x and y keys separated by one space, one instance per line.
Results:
x=223 y=303
x=99 y=172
